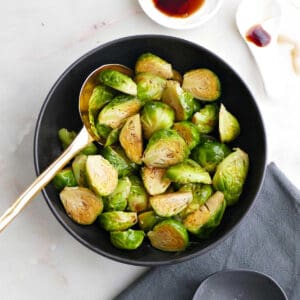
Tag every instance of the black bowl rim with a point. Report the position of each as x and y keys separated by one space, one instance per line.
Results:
x=73 y=233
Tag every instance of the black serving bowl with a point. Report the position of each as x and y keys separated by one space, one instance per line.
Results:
x=60 y=109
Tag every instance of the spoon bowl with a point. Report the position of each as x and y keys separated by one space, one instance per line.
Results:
x=86 y=92
x=85 y=136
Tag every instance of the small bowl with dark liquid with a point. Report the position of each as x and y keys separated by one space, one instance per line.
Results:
x=180 y=14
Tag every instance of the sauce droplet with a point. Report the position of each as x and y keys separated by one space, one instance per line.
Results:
x=178 y=8
x=258 y=36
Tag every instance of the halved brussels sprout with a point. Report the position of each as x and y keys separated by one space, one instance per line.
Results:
x=204 y=221
x=137 y=198
x=118 y=81
x=203 y=84
x=182 y=102
x=165 y=148
x=155 y=181
x=187 y=172
x=201 y=192
x=64 y=178
x=209 y=154
x=148 y=219
x=118 y=199
x=231 y=174
x=100 y=96
x=66 y=137
x=81 y=204
x=118 y=110
x=156 y=116
x=102 y=177
x=117 y=220
x=206 y=119
x=150 y=63
x=168 y=205
x=169 y=235
x=149 y=86
x=131 y=139
x=79 y=169
x=128 y=240
x=189 y=132
x=229 y=127
x=177 y=76
x=112 y=137
x=117 y=157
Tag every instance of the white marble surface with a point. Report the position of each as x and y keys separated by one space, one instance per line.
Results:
x=39 y=39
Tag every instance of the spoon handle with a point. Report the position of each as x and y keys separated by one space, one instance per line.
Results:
x=82 y=140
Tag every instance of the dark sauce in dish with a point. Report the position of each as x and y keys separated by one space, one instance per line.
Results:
x=258 y=36
x=178 y=8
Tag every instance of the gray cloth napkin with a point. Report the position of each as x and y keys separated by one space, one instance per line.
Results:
x=268 y=241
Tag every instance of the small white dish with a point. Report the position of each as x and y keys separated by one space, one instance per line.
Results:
x=203 y=14
x=266 y=13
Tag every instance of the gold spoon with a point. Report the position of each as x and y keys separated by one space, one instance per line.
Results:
x=84 y=137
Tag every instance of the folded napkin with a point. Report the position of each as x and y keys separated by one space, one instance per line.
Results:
x=268 y=240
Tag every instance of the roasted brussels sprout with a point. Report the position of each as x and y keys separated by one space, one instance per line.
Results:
x=182 y=102
x=203 y=84
x=201 y=192
x=79 y=169
x=149 y=86
x=102 y=177
x=117 y=157
x=187 y=172
x=138 y=197
x=64 y=178
x=189 y=132
x=118 y=199
x=150 y=63
x=165 y=148
x=131 y=139
x=112 y=137
x=100 y=96
x=128 y=240
x=81 y=205
x=154 y=180
x=156 y=116
x=148 y=219
x=231 y=174
x=118 y=81
x=206 y=119
x=229 y=127
x=209 y=154
x=66 y=137
x=117 y=220
x=169 y=235
x=118 y=110
x=168 y=205
x=204 y=221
